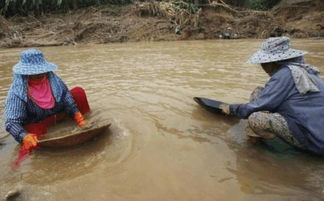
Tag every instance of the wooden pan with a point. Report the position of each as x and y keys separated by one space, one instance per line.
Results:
x=68 y=139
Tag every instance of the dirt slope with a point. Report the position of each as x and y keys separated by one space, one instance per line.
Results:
x=154 y=22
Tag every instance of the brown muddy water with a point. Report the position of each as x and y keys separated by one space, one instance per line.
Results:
x=161 y=145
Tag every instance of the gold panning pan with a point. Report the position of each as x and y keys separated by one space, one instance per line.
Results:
x=73 y=137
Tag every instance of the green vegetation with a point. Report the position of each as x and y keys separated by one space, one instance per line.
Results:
x=37 y=7
x=254 y=4
x=261 y=4
x=192 y=8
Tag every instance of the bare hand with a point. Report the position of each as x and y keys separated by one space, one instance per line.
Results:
x=225 y=108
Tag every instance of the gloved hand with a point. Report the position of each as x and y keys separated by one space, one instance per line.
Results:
x=30 y=141
x=79 y=119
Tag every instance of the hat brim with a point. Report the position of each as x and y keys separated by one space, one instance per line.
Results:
x=262 y=57
x=22 y=69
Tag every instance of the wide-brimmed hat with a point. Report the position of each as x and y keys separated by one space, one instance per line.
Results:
x=32 y=62
x=275 y=49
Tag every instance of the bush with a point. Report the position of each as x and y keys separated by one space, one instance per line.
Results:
x=25 y=7
x=253 y=4
x=38 y=7
x=262 y=4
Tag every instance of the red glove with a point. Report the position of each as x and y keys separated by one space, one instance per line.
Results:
x=30 y=141
x=79 y=119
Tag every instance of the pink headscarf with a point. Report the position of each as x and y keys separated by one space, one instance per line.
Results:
x=41 y=93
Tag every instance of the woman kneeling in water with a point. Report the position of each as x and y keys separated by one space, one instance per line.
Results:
x=291 y=105
x=38 y=98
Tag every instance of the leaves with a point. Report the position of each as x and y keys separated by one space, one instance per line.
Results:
x=43 y=6
x=59 y=2
x=254 y=4
x=262 y=4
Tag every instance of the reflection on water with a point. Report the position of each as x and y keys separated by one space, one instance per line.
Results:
x=161 y=145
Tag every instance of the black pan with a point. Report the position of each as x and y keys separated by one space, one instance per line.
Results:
x=210 y=105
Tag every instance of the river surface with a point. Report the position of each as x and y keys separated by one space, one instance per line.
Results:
x=161 y=145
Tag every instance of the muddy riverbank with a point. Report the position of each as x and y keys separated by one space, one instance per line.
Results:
x=155 y=21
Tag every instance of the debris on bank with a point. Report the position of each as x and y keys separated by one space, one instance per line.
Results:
x=163 y=21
